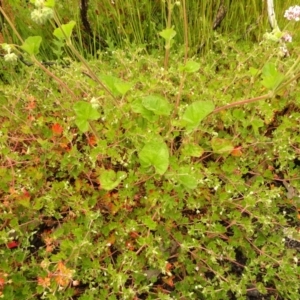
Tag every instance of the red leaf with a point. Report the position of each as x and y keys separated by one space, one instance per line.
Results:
x=92 y=141
x=57 y=128
x=237 y=151
x=2 y=281
x=12 y=244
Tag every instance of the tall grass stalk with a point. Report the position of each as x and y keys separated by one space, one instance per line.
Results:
x=131 y=22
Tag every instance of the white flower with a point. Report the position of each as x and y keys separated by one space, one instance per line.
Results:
x=10 y=57
x=95 y=103
x=283 y=51
x=287 y=38
x=41 y=15
x=293 y=13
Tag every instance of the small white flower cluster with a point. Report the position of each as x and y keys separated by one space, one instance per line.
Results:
x=287 y=38
x=41 y=14
x=293 y=13
x=9 y=56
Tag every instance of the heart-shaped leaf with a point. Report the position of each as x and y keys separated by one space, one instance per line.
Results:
x=155 y=153
x=64 y=31
x=190 y=67
x=192 y=150
x=185 y=178
x=82 y=124
x=195 y=113
x=32 y=45
x=158 y=105
x=86 y=111
x=221 y=146
x=168 y=34
x=109 y=179
x=271 y=77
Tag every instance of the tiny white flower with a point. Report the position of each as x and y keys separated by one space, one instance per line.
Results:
x=293 y=13
x=95 y=103
x=287 y=38
x=41 y=15
x=10 y=57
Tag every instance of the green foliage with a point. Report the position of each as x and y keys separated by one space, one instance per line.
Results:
x=271 y=77
x=141 y=188
x=32 y=45
x=155 y=153
x=109 y=179
x=195 y=113
x=85 y=112
x=64 y=32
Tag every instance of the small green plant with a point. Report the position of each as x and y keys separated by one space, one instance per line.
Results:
x=121 y=179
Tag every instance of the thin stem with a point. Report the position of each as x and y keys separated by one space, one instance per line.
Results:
x=185 y=26
x=53 y=76
x=289 y=81
x=242 y=102
x=11 y=25
x=168 y=44
x=77 y=54
x=182 y=80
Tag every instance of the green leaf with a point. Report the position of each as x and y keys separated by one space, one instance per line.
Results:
x=115 y=85
x=168 y=34
x=185 y=178
x=138 y=107
x=50 y=3
x=190 y=67
x=64 y=31
x=192 y=150
x=256 y=124
x=86 y=111
x=155 y=153
x=253 y=71
x=39 y=203
x=149 y=222
x=82 y=124
x=195 y=113
x=32 y=45
x=109 y=179
x=122 y=87
x=158 y=105
x=221 y=146
x=271 y=78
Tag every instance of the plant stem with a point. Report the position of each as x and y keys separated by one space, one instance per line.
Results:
x=185 y=26
x=81 y=59
x=33 y=58
x=168 y=44
x=242 y=102
x=11 y=25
